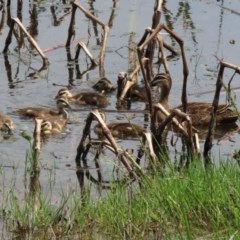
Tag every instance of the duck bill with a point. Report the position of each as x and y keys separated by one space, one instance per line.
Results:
x=7 y=129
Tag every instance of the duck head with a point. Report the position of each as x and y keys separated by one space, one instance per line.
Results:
x=46 y=128
x=64 y=93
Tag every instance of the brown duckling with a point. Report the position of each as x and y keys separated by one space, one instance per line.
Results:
x=104 y=85
x=43 y=113
x=200 y=112
x=6 y=124
x=122 y=130
x=53 y=125
x=84 y=98
x=136 y=92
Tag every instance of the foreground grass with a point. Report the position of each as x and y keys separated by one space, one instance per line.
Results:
x=192 y=204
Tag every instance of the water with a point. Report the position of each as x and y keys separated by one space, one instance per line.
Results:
x=208 y=29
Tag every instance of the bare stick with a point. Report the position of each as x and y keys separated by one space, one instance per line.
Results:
x=88 y=14
x=164 y=58
x=83 y=46
x=170 y=117
x=94 y=19
x=152 y=154
x=37 y=139
x=103 y=50
x=157 y=13
x=81 y=146
x=118 y=151
x=130 y=81
x=144 y=42
x=34 y=188
x=132 y=53
x=147 y=79
x=210 y=135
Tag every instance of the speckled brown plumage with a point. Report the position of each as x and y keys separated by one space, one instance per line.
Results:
x=200 y=112
x=122 y=130
x=6 y=124
x=34 y=112
x=84 y=98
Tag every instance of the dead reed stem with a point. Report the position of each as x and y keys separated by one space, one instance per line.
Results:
x=219 y=84
x=29 y=37
x=187 y=132
x=81 y=45
x=71 y=32
x=34 y=188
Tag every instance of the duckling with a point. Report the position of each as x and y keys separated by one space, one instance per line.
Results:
x=52 y=126
x=120 y=130
x=200 y=112
x=136 y=92
x=89 y=98
x=104 y=85
x=6 y=124
x=33 y=112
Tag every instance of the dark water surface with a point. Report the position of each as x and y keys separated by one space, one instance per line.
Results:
x=209 y=31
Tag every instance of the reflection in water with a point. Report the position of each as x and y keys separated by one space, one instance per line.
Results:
x=94 y=24
x=112 y=15
x=3 y=18
x=167 y=15
x=1 y=5
x=100 y=167
x=20 y=35
x=19 y=9
x=36 y=73
x=222 y=132
x=219 y=30
x=58 y=21
x=70 y=67
x=33 y=25
x=185 y=11
x=74 y=63
x=8 y=68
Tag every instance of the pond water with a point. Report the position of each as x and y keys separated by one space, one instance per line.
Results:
x=209 y=31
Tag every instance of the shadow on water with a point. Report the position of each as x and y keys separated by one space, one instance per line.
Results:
x=25 y=81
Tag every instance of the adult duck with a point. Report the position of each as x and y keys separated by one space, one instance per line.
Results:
x=200 y=112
